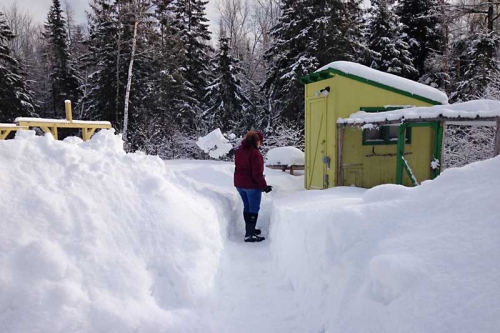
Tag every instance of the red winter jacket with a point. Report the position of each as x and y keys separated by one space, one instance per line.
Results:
x=249 y=171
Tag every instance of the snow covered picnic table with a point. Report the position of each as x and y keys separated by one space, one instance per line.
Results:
x=286 y=167
x=285 y=158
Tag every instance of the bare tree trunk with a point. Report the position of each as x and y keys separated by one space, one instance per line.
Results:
x=22 y=26
x=69 y=22
x=129 y=80
x=234 y=16
x=118 y=54
x=82 y=109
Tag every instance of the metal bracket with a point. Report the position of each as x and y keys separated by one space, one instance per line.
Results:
x=326 y=160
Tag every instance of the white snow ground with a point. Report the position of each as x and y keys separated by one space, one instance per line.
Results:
x=96 y=240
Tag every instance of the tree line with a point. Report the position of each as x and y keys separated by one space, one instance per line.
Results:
x=156 y=72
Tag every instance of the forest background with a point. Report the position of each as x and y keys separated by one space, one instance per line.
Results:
x=155 y=70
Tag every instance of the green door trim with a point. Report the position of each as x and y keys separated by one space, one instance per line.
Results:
x=401 y=162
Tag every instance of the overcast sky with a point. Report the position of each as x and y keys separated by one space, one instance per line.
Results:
x=40 y=8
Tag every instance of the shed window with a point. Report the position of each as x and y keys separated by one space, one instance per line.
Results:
x=384 y=135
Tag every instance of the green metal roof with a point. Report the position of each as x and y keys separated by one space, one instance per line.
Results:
x=330 y=72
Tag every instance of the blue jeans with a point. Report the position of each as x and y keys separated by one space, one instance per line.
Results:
x=251 y=199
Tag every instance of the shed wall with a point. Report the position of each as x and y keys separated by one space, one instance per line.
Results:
x=346 y=97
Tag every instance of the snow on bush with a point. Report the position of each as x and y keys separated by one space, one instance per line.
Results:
x=285 y=156
x=466 y=144
x=215 y=144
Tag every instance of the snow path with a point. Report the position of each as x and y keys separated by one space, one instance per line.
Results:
x=252 y=297
x=249 y=293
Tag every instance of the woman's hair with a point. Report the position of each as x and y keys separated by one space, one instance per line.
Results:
x=252 y=137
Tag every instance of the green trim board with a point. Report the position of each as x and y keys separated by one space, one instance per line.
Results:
x=330 y=72
x=438 y=146
x=400 y=162
x=400 y=152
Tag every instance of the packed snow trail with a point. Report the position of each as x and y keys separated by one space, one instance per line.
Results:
x=249 y=294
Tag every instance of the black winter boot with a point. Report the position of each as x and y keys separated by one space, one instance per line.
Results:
x=250 y=235
x=245 y=217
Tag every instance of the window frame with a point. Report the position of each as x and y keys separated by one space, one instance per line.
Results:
x=384 y=129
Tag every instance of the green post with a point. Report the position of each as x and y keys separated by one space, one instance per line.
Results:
x=438 y=141
x=400 y=153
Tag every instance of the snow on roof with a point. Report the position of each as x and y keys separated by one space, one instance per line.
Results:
x=469 y=110
x=387 y=79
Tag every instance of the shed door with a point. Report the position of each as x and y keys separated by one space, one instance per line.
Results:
x=353 y=175
x=316 y=143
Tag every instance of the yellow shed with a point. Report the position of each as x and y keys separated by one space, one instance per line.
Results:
x=367 y=156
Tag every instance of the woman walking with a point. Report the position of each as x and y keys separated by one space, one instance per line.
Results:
x=250 y=182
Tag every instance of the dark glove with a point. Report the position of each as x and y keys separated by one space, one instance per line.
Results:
x=268 y=189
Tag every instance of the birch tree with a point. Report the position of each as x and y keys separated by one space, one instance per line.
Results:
x=138 y=9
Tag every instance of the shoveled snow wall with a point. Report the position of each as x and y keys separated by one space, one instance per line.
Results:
x=394 y=259
x=96 y=240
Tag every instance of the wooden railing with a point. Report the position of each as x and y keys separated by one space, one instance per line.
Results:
x=52 y=125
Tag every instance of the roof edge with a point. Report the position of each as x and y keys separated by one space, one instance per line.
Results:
x=330 y=72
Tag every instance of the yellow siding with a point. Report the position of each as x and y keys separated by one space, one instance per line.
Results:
x=348 y=96
x=376 y=169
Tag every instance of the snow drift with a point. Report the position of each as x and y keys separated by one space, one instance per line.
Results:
x=396 y=259
x=96 y=240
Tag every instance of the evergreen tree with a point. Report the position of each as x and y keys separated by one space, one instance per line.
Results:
x=388 y=49
x=15 y=99
x=436 y=71
x=344 y=32
x=106 y=62
x=309 y=33
x=475 y=74
x=108 y=57
x=421 y=23
x=175 y=93
x=228 y=104
x=65 y=83
x=190 y=27
x=293 y=54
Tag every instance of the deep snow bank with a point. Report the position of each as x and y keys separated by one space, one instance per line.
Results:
x=396 y=259
x=96 y=240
